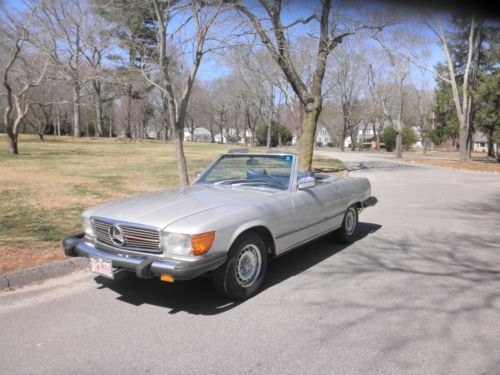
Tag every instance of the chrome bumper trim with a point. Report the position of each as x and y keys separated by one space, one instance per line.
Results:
x=142 y=265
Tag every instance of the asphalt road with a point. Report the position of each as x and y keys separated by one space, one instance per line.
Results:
x=418 y=293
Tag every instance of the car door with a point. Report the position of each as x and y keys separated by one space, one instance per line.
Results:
x=314 y=211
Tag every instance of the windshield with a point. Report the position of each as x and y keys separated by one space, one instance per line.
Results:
x=272 y=171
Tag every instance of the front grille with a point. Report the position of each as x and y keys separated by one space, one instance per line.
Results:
x=134 y=237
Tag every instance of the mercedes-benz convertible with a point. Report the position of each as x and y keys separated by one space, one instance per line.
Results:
x=242 y=211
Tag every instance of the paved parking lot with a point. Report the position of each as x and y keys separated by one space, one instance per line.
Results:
x=418 y=293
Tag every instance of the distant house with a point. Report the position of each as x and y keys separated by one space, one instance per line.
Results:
x=249 y=137
x=200 y=135
x=220 y=138
x=367 y=134
x=323 y=136
x=480 y=143
x=232 y=136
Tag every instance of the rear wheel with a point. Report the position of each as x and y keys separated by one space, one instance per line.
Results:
x=348 y=230
x=243 y=272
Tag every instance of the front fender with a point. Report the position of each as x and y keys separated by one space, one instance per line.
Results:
x=249 y=225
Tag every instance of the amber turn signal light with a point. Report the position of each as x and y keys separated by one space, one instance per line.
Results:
x=167 y=278
x=201 y=243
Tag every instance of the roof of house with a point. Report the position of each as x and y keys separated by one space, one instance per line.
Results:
x=320 y=128
x=480 y=137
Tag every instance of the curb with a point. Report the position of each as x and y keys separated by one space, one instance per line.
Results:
x=42 y=272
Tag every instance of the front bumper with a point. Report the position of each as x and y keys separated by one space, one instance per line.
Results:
x=143 y=266
x=370 y=202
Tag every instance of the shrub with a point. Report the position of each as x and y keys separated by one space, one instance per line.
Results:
x=388 y=137
x=261 y=135
x=409 y=137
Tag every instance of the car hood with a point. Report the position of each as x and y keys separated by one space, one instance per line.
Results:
x=162 y=208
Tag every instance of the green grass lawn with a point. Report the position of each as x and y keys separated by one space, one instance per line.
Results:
x=44 y=190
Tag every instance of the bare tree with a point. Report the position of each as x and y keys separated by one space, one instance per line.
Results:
x=347 y=66
x=95 y=46
x=63 y=34
x=22 y=72
x=421 y=99
x=274 y=36
x=463 y=105
x=202 y=15
x=400 y=68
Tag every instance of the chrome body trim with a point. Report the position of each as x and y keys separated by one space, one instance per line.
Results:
x=143 y=266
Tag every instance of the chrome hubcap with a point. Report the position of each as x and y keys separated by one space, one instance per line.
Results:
x=350 y=221
x=248 y=265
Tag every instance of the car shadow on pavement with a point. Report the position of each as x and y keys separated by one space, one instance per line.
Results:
x=200 y=298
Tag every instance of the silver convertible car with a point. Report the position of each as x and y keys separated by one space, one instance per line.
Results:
x=242 y=211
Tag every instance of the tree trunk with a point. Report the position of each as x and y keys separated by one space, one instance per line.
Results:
x=58 y=121
x=111 y=120
x=425 y=144
x=129 y=111
x=268 y=141
x=399 y=143
x=307 y=132
x=462 y=142
x=353 y=144
x=246 y=126
x=76 y=109
x=181 y=159
x=13 y=150
x=98 y=115
x=491 y=144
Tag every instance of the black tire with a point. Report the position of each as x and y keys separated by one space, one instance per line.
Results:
x=348 y=231
x=231 y=281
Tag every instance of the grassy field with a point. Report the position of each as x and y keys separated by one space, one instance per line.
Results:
x=44 y=190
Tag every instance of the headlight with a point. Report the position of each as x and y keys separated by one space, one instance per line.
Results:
x=185 y=244
x=87 y=227
x=175 y=243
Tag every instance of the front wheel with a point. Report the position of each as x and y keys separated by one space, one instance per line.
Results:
x=348 y=230
x=243 y=272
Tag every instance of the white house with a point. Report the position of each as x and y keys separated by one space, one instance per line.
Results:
x=200 y=135
x=249 y=137
x=322 y=136
x=368 y=134
x=232 y=136
x=220 y=138
x=480 y=143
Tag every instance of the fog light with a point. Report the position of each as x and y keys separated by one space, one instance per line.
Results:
x=167 y=278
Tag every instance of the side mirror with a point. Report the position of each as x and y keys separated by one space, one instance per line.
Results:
x=306 y=183
x=197 y=174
